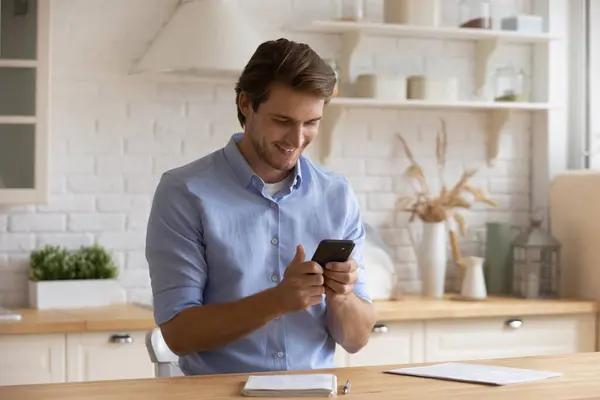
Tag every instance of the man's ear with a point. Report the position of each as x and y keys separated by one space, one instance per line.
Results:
x=244 y=103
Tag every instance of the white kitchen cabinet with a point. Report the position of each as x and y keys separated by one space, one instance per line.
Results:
x=24 y=50
x=391 y=343
x=95 y=356
x=474 y=338
x=340 y=358
x=485 y=338
x=32 y=359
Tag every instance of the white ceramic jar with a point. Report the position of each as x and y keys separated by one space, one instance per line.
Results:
x=422 y=87
x=413 y=12
x=381 y=87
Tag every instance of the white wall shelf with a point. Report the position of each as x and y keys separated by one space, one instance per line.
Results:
x=486 y=41
x=18 y=63
x=499 y=113
x=443 y=33
x=467 y=105
x=17 y=120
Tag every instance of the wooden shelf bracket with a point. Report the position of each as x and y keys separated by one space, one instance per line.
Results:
x=351 y=41
x=331 y=118
x=499 y=118
x=484 y=53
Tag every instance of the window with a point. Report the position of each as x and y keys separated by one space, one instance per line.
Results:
x=593 y=32
x=584 y=61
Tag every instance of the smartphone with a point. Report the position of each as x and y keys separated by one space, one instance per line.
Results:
x=331 y=250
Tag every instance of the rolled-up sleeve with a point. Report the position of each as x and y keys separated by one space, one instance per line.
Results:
x=355 y=231
x=175 y=250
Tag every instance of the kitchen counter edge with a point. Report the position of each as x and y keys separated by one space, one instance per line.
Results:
x=128 y=317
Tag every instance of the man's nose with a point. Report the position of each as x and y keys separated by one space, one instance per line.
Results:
x=296 y=135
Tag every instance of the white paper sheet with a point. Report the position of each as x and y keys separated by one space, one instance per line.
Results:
x=316 y=385
x=476 y=373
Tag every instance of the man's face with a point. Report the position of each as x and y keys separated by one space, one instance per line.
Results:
x=283 y=126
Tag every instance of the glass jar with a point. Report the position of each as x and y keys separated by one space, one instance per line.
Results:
x=350 y=10
x=475 y=14
x=333 y=64
x=510 y=84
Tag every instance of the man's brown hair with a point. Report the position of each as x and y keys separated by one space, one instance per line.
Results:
x=287 y=62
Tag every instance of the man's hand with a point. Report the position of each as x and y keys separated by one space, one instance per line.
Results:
x=350 y=319
x=302 y=284
x=340 y=277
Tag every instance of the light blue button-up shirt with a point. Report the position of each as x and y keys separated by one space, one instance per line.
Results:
x=215 y=235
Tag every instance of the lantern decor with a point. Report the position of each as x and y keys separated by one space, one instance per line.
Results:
x=535 y=262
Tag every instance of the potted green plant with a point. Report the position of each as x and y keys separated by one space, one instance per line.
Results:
x=60 y=278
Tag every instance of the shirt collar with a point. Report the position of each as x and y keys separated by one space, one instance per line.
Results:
x=242 y=169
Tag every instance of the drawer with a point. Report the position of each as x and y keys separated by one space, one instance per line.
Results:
x=97 y=356
x=480 y=338
x=32 y=359
x=391 y=343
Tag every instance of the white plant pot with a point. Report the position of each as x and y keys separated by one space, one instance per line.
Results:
x=45 y=295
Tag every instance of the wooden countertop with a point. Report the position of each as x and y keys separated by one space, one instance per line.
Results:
x=412 y=308
x=580 y=380
x=112 y=318
x=409 y=308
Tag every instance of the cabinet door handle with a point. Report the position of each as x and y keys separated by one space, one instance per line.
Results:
x=513 y=323
x=122 y=338
x=380 y=328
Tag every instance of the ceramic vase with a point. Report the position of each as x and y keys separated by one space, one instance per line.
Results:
x=473 y=283
x=432 y=256
x=497 y=264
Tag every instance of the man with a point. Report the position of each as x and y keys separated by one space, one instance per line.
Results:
x=230 y=235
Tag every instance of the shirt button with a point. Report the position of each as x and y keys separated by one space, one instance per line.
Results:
x=274 y=241
x=280 y=354
x=273 y=204
x=275 y=278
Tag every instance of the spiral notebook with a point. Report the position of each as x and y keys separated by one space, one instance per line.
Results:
x=307 y=385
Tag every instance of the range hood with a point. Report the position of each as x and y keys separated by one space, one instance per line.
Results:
x=203 y=38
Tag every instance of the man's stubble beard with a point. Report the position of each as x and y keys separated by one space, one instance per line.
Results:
x=261 y=149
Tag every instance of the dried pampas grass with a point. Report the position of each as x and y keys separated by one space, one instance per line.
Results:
x=443 y=206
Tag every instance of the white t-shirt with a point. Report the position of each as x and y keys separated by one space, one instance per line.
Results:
x=273 y=188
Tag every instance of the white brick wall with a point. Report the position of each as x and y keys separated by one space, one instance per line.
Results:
x=112 y=135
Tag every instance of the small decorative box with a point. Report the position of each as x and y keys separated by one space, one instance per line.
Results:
x=523 y=23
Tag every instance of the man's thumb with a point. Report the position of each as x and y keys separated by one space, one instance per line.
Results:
x=300 y=254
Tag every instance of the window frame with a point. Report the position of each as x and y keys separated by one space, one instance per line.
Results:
x=584 y=91
x=39 y=193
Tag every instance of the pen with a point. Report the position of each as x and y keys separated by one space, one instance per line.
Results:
x=346 y=387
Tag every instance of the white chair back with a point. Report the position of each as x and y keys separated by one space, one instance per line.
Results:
x=166 y=363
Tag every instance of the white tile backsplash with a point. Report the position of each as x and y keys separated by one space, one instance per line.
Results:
x=112 y=134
